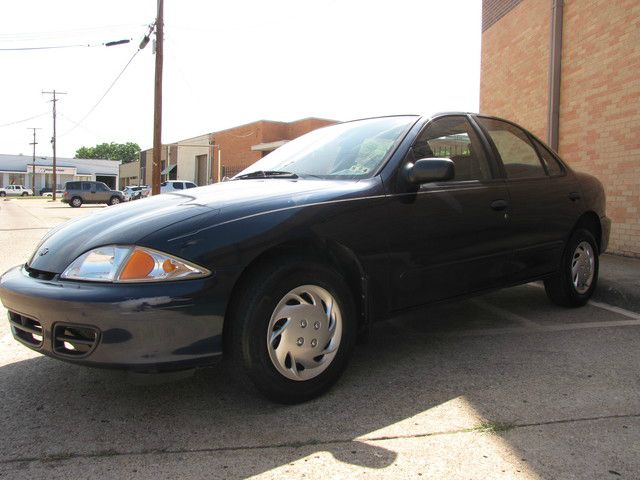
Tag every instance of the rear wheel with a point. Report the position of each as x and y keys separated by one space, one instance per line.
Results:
x=114 y=200
x=3 y=194
x=291 y=330
x=76 y=202
x=578 y=276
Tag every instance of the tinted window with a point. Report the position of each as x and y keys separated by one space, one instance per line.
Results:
x=190 y=185
x=101 y=187
x=71 y=186
x=518 y=156
x=87 y=186
x=453 y=137
x=177 y=185
x=552 y=164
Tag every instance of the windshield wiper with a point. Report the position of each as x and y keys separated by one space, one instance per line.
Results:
x=266 y=174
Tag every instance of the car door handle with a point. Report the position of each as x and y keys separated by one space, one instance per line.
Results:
x=574 y=196
x=499 y=204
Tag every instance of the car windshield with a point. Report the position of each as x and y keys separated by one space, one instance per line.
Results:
x=346 y=151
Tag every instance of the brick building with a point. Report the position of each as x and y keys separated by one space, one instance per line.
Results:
x=570 y=72
x=208 y=158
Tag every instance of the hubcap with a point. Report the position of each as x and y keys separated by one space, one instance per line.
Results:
x=582 y=267
x=304 y=332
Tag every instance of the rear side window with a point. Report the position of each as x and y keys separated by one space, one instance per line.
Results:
x=72 y=186
x=177 y=185
x=553 y=165
x=453 y=138
x=518 y=155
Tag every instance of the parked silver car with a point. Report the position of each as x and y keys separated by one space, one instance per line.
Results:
x=15 y=191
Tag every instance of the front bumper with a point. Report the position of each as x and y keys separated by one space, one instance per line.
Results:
x=143 y=327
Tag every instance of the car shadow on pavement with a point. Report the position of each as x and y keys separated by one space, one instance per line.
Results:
x=397 y=386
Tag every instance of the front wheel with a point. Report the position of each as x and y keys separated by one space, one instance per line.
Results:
x=114 y=200
x=578 y=276
x=291 y=330
x=3 y=194
x=24 y=194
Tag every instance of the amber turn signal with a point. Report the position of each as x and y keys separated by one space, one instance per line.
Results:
x=139 y=265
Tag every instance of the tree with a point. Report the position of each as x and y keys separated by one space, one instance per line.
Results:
x=125 y=152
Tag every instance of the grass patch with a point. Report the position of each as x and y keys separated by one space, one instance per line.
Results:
x=493 y=427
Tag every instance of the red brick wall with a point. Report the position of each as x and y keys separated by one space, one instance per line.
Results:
x=599 y=93
x=515 y=66
x=600 y=106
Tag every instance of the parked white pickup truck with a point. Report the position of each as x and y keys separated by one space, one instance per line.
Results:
x=15 y=191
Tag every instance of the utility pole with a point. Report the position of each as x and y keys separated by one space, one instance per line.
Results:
x=157 y=104
x=53 y=139
x=33 y=161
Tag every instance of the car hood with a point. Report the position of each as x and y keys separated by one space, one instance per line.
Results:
x=196 y=208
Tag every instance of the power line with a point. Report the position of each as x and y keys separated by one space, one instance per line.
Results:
x=24 y=120
x=89 y=45
x=49 y=48
x=142 y=45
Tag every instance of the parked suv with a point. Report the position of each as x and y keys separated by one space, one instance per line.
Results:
x=77 y=193
x=16 y=191
x=171 y=185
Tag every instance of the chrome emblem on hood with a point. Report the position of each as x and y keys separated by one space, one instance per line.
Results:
x=43 y=252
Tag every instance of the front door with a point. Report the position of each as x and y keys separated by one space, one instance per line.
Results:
x=449 y=238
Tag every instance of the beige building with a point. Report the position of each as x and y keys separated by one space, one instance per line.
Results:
x=569 y=71
x=129 y=174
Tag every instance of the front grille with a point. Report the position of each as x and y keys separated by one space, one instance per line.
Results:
x=26 y=329
x=74 y=340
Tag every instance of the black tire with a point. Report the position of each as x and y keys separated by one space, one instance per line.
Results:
x=3 y=194
x=560 y=288
x=24 y=194
x=115 y=200
x=247 y=324
x=75 y=202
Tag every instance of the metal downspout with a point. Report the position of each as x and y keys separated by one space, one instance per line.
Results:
x=555 y=63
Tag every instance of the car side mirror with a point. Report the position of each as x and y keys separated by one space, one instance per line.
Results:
x=428 y=170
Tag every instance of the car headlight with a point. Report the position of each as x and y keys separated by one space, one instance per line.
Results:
x=116 y=263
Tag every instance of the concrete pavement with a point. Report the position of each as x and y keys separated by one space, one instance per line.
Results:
x=505 y=385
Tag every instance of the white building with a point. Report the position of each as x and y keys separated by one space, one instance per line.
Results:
x=20 y=170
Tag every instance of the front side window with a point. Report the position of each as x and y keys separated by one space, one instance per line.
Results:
x=177 y=185
x=454 y=138
x=348 y=150
x=101 y=187
x=191 y=185
x=518 y=156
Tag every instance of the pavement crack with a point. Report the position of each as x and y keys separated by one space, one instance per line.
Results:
x=484 y=427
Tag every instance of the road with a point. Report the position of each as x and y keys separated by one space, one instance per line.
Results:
x=505 y=385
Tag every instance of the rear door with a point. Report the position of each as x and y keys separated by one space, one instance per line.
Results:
x=543 y=199
x=449 y=238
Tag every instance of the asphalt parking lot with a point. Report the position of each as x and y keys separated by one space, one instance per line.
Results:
x=505 y=385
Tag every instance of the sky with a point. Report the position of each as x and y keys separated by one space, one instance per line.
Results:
x=229 y=63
